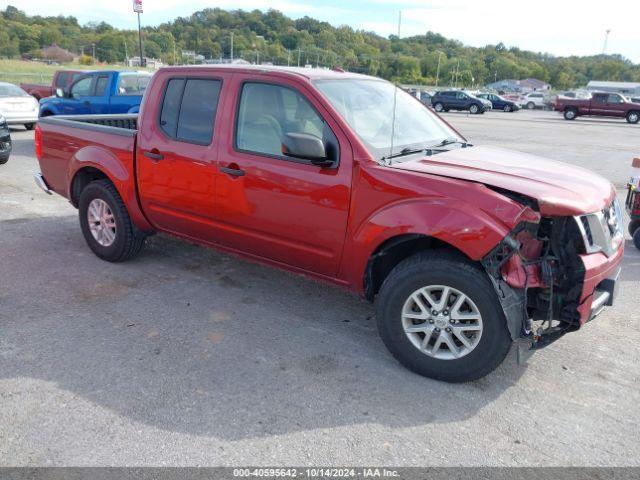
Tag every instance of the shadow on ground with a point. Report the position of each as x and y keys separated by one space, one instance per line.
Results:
x=186 y=339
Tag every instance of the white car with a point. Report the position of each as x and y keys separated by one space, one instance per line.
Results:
x=533 y=100
x=17 y=106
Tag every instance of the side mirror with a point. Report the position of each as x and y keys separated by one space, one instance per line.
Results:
x=59 y=93
x=306 y=147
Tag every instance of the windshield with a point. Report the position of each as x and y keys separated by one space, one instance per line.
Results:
x=367 y=106
x=9 y=90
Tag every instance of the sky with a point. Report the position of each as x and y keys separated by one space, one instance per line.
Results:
x=570 y=27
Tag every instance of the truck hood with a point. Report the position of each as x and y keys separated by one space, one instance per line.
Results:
x=559 y=188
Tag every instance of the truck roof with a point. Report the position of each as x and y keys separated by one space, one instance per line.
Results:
x=308 y=73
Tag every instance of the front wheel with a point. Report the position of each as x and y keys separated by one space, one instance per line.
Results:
x=4 y=160
x=439 y=107
x=531 y=105
x=474 y=109
x=439 y=316
x=105 y=223
x=633 y=117
x=570 y=114
x=507 y=108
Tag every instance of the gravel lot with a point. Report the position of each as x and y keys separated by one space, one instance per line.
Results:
x=185 y=356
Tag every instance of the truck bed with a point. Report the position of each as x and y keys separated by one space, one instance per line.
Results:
x=70 y=142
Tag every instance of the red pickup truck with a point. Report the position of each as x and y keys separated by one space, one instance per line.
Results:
x=342 y=177
x=601 y=105
x=62 y=79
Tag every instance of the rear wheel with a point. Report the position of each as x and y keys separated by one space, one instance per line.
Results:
x=439 y=107
x=531 y=105
x=439 y=316
x=507 y=108
x=636 y=238
x=474 y=109
x=633 y=226
x=570 y=114
x=633 y=117
x=105 y=223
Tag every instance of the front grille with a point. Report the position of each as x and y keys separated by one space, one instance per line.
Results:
x=602 y=231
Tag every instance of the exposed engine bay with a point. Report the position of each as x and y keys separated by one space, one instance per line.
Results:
x=539 y=275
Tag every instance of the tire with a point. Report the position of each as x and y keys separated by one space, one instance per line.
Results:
x=128 y=241
x=636 y=238
x=4 y=160
x=633 y=226
x=29 y=126
x=633 y=116
x=507 y=108
x=439 y=107
x=531 y=106
x=570 y=114
x=440 y=268
x=474 y=109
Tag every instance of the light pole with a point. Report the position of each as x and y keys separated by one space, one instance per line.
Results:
x=231 y=47
x=606 y=40
x=438 y=69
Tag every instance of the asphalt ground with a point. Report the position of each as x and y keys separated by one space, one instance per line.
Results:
x=186 y=356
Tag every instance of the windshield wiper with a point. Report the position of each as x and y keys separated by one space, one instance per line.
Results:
x=450 y=141
x=402 y=153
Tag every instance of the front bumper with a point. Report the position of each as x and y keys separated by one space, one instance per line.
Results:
x=601 y=283
x=22 y=118
x=5 y=145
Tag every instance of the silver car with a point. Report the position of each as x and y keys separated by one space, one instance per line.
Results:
x=17 y=106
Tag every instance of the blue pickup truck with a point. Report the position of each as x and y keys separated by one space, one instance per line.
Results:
x=98 y=92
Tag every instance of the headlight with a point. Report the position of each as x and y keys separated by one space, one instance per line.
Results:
x=602 y=231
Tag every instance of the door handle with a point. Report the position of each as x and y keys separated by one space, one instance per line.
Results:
x=156 y=156
x=234 y=172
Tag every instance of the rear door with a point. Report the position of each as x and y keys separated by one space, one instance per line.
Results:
x=277 y=207
x=177 y=153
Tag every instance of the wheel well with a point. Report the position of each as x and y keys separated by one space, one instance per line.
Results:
x=46 y=113
x=82 y=178
x=392 y=252
x=569 y=107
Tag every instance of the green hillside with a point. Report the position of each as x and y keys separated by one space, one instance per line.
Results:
x=273 y=37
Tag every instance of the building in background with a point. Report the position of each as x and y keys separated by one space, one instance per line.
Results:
x=520 y=86
x=625 y=88
x=149 y=62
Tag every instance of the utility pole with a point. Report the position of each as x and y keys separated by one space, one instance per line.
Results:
x=438 y=69
x=93 y=50
x=174 y=52
x=606 y=40
x=318 y=60
x=288 y=57
x=457 y=70
x=298 y=56
x=231 y=47
x=140 y=42
x=126 y=53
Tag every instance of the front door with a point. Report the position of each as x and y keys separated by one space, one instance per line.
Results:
x=176 y=156
x=273 y=206
x=79 y=100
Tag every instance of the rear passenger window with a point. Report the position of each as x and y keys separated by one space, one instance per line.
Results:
x=189 y=109
x=101 y=85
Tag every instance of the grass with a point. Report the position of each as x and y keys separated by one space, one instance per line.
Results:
x=20 y=71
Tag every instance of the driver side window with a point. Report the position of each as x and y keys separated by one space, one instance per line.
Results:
x=82 y=88
x=267 y=112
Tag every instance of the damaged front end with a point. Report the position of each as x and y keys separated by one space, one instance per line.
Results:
x=539 y=274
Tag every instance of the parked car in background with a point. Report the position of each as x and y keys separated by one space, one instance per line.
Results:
x=465 y=249
x=98 y=92
x=634 y=99
x=61 y=79
x=459 y=100
x=533 y=100
x=17 y=106
x=5 y=141
x=601 y=105
x=499 y=103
